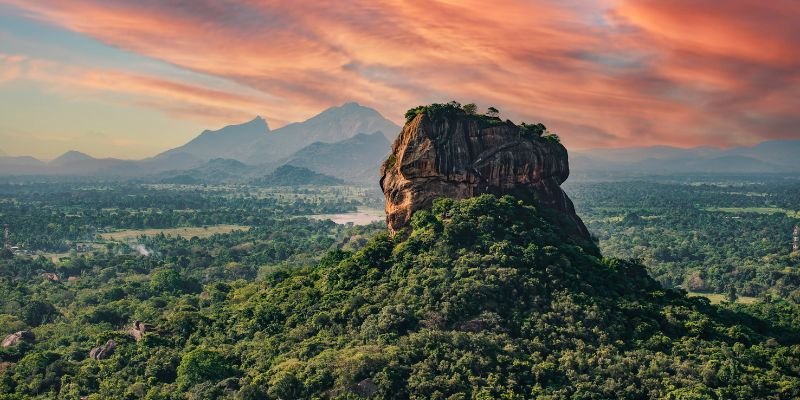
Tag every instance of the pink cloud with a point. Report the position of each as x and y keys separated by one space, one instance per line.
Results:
x=186 y=100
x=11 y=66
x=613 y=73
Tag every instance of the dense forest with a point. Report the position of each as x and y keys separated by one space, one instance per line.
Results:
x=703 y=236
x=482 y=298
x=53 y=216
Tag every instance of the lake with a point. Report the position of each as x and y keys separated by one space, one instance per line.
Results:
x=363 y=216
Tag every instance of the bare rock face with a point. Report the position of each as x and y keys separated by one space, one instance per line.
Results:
x=138 y=329
x=104 y=351
x=18 y=337
x=461 y=156
x=4 y=365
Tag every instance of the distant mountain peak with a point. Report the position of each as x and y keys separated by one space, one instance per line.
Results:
x=257 y=123
x=347 y=108
x=231 y=141
x=71 y=156
x=351 y=105
x=249 y=142
x=259 y=120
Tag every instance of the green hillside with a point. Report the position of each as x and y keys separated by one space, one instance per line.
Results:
x=290 y=175
x=481 y=299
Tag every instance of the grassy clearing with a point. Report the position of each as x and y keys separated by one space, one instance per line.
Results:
x=716 y=298
x=187 y=232
x=54 y=257
x=757 y=210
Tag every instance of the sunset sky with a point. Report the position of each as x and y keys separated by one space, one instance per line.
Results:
x=129 y=79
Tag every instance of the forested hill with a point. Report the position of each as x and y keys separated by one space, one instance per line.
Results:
x=480 y=299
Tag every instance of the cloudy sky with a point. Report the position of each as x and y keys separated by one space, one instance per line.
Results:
x=132 y=78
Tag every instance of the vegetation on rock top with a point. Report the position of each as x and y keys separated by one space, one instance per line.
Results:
x=490 y=118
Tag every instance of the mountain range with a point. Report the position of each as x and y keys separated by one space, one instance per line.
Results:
x=349 y=142
x=254 y=143
x=780 y=156
x=346 y=142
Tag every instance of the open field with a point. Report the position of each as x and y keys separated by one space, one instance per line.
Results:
x=54 y=257
x=719 y=298
x=186 y=232
x=757 y=210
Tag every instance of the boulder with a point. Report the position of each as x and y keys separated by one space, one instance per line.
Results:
x=4 y=365
x=50 y=276
x=366 y=388
x=17 y=337
x=138 y=329
x=104 y=351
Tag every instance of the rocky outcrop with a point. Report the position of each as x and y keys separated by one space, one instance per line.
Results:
x=4 y=365
x=18 y=337
x=138 y=329
x=461 y=156
x=366 y=388
x=104 y=351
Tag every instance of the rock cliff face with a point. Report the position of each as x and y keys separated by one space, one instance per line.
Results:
x=460 y=156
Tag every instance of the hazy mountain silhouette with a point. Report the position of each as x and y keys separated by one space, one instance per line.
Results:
x=72 y=156
x=21 y=165
x=77 y=163
x=356 y=159
x=233 y=141
x=338 y=142
x=766 y=157
x=253 y=142
x=784 y=153
x=332 y=125
x=218 y=170
x=289 y=175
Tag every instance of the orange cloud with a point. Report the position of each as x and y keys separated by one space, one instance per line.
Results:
x=170 y=96
x=10 y=67
x=605 y=73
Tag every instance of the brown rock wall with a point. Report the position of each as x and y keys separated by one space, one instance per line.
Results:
x=463 y=156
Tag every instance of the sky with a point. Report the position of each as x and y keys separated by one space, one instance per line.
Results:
x=130 y=79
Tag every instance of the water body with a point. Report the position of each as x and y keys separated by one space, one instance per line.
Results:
x=362 y=216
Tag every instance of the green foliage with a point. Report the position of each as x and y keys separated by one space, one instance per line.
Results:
x=36 y=312
x=168 y=280
x=731 y=295
x=470 y=109
x=677 y=230
x=289 y=175
x=482 y=298
x=202 y=365
x=552 y=138
x=391 y=161
x=54 y=216
x=538 y=132
x=454 y=109
x=532 y=130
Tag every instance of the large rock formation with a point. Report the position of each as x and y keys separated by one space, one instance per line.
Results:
x=458 y=156
x=18 y=337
